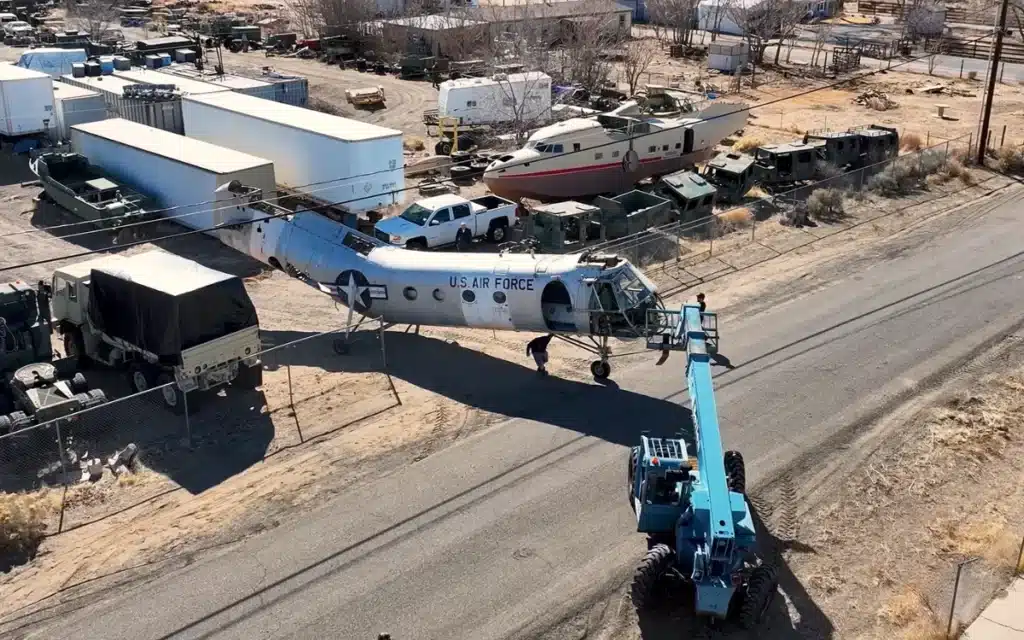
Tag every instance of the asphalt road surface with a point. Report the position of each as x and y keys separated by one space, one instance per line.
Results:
x=506 y=531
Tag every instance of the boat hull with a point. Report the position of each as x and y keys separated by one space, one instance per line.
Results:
x=586 y=181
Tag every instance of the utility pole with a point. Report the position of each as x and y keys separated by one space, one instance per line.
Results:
x=990 y=92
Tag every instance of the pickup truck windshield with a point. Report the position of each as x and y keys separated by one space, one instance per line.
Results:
x=416 y=214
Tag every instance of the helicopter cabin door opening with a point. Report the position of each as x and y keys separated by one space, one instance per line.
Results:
x=556 y=305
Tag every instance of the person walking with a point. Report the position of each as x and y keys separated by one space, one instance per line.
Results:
x=701 y=303
x=538 y=348
x=463 y=237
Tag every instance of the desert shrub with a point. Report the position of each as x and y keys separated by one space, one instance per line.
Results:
x=825 y=203
x=414 y=143
x=747 y=143
x=1010 y=159
x=908 y=173
x=953 y=170
x=23 y=522
x=911 y=142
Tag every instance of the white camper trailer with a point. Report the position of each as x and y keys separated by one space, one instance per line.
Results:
x=522 y=97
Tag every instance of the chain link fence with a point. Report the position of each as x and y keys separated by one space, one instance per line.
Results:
x=134 y=448
x=691 y=251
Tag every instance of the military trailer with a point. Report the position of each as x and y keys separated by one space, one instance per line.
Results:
x=787 y=162
x=168 y=321
x=694 y=196
x=857 y=148
x=732 y=174
x=564 y=227
x=36 y=387
x=633 y=212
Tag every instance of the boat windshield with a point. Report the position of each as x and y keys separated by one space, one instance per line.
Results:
x=416 y=214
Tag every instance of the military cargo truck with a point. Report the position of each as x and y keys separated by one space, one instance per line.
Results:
x=168 y=321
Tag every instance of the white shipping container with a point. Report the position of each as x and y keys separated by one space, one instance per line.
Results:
x=26 y=101
x=74 y=105
x=333 y=159
x=181 y=174
x=186 y=86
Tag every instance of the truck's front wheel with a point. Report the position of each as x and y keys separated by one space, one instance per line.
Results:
x=74 y=345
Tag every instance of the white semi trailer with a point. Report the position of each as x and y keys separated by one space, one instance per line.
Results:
x=26 y=101
x=335 y=160
x=181 y=174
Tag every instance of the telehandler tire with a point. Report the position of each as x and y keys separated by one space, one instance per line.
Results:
x=634 y=457
x=735 y=472
x=760 y=592
x=648 y=574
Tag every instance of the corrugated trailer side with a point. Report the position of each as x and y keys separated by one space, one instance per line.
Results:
x=333 y=159
x=180 y=173
x=74 y=105
x=164 y=114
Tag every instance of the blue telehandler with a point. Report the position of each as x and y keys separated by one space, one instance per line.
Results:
x=689 y=498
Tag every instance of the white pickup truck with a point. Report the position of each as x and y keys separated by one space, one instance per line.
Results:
x=433 y=222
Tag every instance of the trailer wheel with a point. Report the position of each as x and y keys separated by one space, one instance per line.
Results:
x=648 y=574
x=735 y=472
x=173 y=397
x=761 y=589
x=5 y=424
x=443 y=147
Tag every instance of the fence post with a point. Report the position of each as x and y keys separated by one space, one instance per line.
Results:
x=384 y=356
x=956 y=587
x=970 y=142
x=1020 y=558
x=188 y=423
x=1002 y=138
x=291 y=403
x=961 y=68
x=63 y=477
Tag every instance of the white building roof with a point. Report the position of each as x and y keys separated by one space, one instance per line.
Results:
x=296 y=117
x=172 y=146
x=529 y=76
x=14 y=72
x=436 y=22
x=109 y=84
x=187 y=86
x=63 y=91
x=235 y=82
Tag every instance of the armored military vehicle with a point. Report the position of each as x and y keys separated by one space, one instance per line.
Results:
x=693 y=194
x=88 y=193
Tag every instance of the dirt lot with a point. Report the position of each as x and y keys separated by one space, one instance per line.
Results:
x=347 y=406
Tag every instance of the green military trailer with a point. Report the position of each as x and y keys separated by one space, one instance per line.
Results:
x=732 y=175
x=564 y=227
x=633 y=212
x=694 y=196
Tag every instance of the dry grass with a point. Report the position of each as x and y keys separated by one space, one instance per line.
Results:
x=953 y=170
x=1010 y=159
x=747 y=143
x=23 y=520
x=909 y=612
x=911 y=142
x=413 y=143
x=989 y=538
x=733 y=219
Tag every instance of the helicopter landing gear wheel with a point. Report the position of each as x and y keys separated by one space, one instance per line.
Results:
x=601 y=369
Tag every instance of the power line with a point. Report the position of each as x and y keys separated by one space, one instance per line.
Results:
x=344 y=202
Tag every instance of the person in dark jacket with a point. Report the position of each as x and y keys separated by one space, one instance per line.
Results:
x=700 y=301
x=538 y=348
x=463 y=238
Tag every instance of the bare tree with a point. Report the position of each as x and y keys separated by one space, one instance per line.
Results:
x=306 y=15
x=675 y=15
x=639 y=55
x=95 y=17
x=711 y=20
x=764 y=21
x=822 y=32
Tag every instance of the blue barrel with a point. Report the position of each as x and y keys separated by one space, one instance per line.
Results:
x=106 y=65
x=165 y=59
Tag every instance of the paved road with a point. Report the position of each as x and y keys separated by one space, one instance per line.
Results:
x=510 y=527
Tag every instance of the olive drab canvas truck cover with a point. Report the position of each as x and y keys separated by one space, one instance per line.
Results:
x=166 y=305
